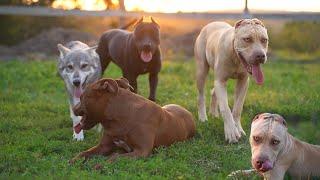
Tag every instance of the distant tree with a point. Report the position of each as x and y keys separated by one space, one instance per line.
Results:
x=111 y=6
x=27 y=2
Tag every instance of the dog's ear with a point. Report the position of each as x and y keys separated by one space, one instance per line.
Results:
x=280 y=119
x=138 y=22
x=92 y=50
x=258 y=22
x=108 y=85
x=238 y=23
x=154 y=22
x=124 y=83
x=256 y=117
x=77 y=110
x=63 y=50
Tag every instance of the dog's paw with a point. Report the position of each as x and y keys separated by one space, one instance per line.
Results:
x=203 y=116
x=72 y=161
x=232 y=134
x=152 y=99
x=214 y=112
x=240 y=129
x=79 y=136
x=98 y=167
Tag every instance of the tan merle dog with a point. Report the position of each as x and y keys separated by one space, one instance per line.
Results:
x=233 y=53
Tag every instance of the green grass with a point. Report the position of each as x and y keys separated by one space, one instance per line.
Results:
x=36 y=134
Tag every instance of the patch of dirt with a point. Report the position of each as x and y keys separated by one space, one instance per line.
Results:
x=44 y=45
x=183 y=43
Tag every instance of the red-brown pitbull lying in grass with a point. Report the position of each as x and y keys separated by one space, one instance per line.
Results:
x=131 y=122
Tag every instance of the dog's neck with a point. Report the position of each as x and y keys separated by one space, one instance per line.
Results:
x=302 y=158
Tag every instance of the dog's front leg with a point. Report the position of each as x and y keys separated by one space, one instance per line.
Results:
x=133 y=154
x=231 y=132
x=277 y=173
x=240 y=94
x=153 y=83
x=75 y=120
x=132 y=81
x=105 y=147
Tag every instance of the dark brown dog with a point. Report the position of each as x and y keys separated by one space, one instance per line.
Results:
x=131 y=122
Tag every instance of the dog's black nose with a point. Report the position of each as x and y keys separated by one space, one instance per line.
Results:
x=76 y=83
x=260 y=57
x=147 y=47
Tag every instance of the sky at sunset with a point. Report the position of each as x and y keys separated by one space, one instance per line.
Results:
x=198 y=5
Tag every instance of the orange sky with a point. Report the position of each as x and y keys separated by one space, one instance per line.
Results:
x=196 y=6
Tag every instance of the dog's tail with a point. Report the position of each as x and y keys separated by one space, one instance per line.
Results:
x=123 y=27
x=129 y=24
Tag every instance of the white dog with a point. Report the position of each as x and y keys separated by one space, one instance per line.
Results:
x=275 y=151
x=233 y=53
x=78 y=66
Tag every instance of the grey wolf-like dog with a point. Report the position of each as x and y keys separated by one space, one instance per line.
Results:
x=78 y=66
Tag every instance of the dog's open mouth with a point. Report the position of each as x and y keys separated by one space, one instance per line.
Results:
x=253 y=69
x=77 y=91
x=146 y=56
x=266 y=166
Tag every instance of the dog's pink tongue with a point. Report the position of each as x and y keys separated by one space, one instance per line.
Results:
x=257 y=74
x=266 y=166
x=146 y=56
x=77 y=92
x=77 y=128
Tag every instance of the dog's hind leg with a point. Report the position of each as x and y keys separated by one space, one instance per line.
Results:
x=240 y=94
x=76 y=119
x=201 y=75
x=104 y=64
x=105 y=147
x=102 y=51
x=214 y=104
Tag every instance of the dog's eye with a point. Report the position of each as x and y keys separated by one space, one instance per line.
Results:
x=83 y=66
x=247 y=39
x=70 y=67
x=264 y=40
x=275 y=142
x=257 y=138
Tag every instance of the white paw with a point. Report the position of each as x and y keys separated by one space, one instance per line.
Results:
x=203 y=117
x=239 y=127
x=231 y=132
x=79 y=136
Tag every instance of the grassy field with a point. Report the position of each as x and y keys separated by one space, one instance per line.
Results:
x=36 y=134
